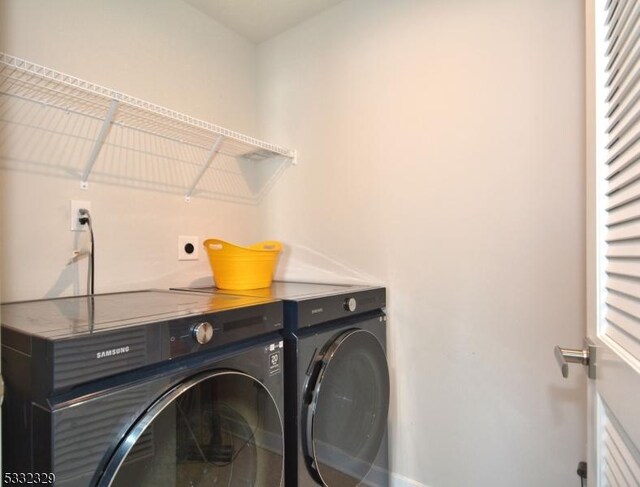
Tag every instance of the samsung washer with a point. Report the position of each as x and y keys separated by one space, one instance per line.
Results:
x=151 y=388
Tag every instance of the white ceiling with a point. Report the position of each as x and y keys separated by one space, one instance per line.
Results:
x=259 y=20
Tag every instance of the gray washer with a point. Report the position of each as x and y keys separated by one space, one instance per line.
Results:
x=115 y=390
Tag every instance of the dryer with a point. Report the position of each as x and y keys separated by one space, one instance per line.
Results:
x=336 y=383
x=150 y=388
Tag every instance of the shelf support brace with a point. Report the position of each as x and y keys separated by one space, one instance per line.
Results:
x=210 y=157
x=102 y=136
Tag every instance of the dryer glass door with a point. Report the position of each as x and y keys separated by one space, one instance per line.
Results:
x=346 y=419
x=217 y=429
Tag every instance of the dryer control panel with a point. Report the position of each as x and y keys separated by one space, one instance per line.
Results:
x=305 y=312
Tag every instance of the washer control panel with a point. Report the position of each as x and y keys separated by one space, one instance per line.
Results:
x=195 y=334
x=202 y=332
x=350 y=304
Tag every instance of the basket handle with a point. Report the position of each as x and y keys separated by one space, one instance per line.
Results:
x=272 y=245
x=215 y=244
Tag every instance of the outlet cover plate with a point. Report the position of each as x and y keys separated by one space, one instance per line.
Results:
x=75 y=206
x=188 y=248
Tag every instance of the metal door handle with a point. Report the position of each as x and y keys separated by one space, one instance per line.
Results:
x=585 y=356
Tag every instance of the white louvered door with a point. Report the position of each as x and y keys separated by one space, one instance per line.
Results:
x=613 y=243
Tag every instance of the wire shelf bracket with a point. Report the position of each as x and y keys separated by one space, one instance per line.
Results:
x=212 y=155
x=102 y=136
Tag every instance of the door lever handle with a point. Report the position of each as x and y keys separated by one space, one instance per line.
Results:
x=585 y=356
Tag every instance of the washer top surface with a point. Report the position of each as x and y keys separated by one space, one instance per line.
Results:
x=289 y=291
x=68 y=317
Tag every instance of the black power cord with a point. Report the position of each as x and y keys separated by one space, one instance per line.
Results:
x=582 y=472
x=84 y=217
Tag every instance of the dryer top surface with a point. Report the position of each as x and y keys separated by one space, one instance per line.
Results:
x=291 y=291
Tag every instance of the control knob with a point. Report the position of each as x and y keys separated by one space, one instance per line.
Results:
x=350 y=304
x=202 y=332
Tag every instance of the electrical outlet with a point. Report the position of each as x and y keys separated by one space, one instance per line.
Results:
x=188 y=248
x=75 y=206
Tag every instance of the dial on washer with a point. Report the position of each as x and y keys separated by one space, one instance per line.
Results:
x=202 y=332
x=350 y=304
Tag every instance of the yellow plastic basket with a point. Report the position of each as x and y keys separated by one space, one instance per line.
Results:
x=242 y=268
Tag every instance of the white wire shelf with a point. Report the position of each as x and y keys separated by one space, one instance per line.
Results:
x=153 y=130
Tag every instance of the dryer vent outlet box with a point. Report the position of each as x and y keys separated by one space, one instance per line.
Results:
x=188 y=248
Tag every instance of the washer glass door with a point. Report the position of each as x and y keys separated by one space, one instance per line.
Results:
x=346 y=418
x=217 y=429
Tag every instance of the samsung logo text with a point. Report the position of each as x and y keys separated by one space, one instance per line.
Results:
x=112 y=352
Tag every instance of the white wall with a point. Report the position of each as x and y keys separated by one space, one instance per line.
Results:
x=441 y=152
x=163 y=51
